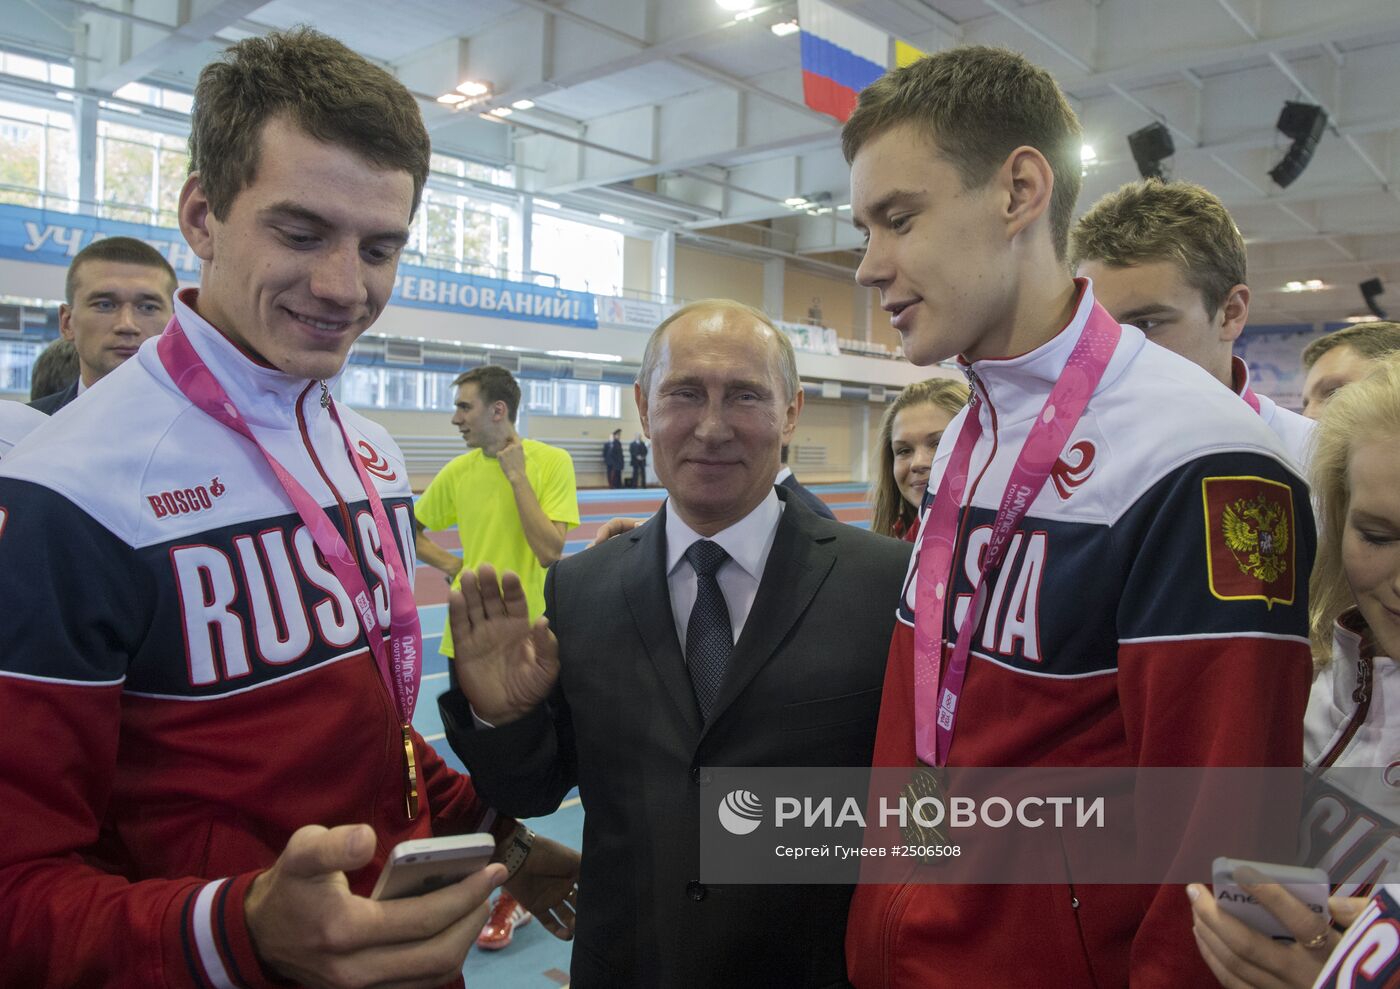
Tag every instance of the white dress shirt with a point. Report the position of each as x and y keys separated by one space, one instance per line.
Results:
x=747 y=542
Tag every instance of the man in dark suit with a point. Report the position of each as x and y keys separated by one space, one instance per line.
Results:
x=743 y=630
x=786 y=479
x=638 y=450
x=118 y=292
x=612 y=459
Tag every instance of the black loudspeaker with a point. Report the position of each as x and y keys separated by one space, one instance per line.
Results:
x=1371 y=288
x=1150 y=146
x=1303 y=124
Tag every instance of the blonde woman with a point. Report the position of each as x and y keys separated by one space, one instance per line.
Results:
x=1353 y=717
x=909 y=435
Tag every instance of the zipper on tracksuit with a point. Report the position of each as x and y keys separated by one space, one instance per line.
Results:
x=898 y=904
x=1362 y=696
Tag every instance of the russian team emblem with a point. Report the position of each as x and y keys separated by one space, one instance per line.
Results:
x=375 y=462
x=1249 y=539
x=1068 y=476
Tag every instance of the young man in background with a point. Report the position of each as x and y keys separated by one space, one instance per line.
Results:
x=1167 y=258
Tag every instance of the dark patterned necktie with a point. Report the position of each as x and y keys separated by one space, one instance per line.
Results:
x=709 y=638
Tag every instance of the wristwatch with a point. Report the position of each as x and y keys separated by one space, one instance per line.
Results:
x=517 y=848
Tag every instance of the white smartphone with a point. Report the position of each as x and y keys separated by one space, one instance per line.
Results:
x=425 y=864
x=1308 y=885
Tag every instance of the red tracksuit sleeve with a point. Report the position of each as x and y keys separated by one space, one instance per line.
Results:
x=63 y=921
x=65 y=918
x=1214 y=665
x=456 y=807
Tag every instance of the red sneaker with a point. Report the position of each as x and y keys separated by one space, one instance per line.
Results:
x=500 y=927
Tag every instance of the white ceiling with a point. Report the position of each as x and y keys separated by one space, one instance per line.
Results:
x=707 y=113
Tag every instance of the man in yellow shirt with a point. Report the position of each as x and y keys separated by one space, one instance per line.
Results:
x=512 y=500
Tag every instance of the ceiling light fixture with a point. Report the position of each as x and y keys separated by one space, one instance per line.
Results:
x=524 y=104
x=472 y=88
x=795 y=202
x=1087 y=154
x=501 y=111
x=784 y=28
x=451 y=99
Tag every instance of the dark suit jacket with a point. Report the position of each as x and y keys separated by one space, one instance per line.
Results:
x=50 y=404
x=802 y=689
x=612 y=454
x=810 y=500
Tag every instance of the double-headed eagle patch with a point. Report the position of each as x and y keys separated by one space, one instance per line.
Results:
x=1249 y=539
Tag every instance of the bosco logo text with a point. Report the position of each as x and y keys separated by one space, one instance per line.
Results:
x=185 y=501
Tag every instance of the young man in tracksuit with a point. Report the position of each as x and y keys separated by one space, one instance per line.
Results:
x=207 y=757
x=1123 y=624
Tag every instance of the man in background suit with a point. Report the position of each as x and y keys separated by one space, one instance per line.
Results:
x=638 y=450
x=54 y=370
x=612 y=459
x=786 y=479
x=747 y=631
x=118 y=292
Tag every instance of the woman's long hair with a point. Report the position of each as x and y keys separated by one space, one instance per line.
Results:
x=892 y=514
x=1361 y=412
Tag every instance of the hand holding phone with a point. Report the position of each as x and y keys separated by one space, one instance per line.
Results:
x=426 y=864
x=1309 y=886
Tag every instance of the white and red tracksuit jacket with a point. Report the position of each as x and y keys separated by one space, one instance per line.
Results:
x=1351 y=827
x=184 y=682
x=1368 y=956
x=1121 y=630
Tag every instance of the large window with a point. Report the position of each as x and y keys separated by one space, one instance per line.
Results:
x=17 y=365
x=140 y=174
x=38 y=162
x=566 y=397
x=463 y=234
x=373 y=387
x=460 y=231
x=584 y=257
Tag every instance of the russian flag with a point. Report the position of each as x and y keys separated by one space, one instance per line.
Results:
x=841 y=55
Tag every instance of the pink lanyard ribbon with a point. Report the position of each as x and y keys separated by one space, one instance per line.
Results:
x=399 y=664
x=1239 y=372
x=933 y=722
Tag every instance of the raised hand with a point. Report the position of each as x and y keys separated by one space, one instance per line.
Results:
x=511 y=457
x=505 y=666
